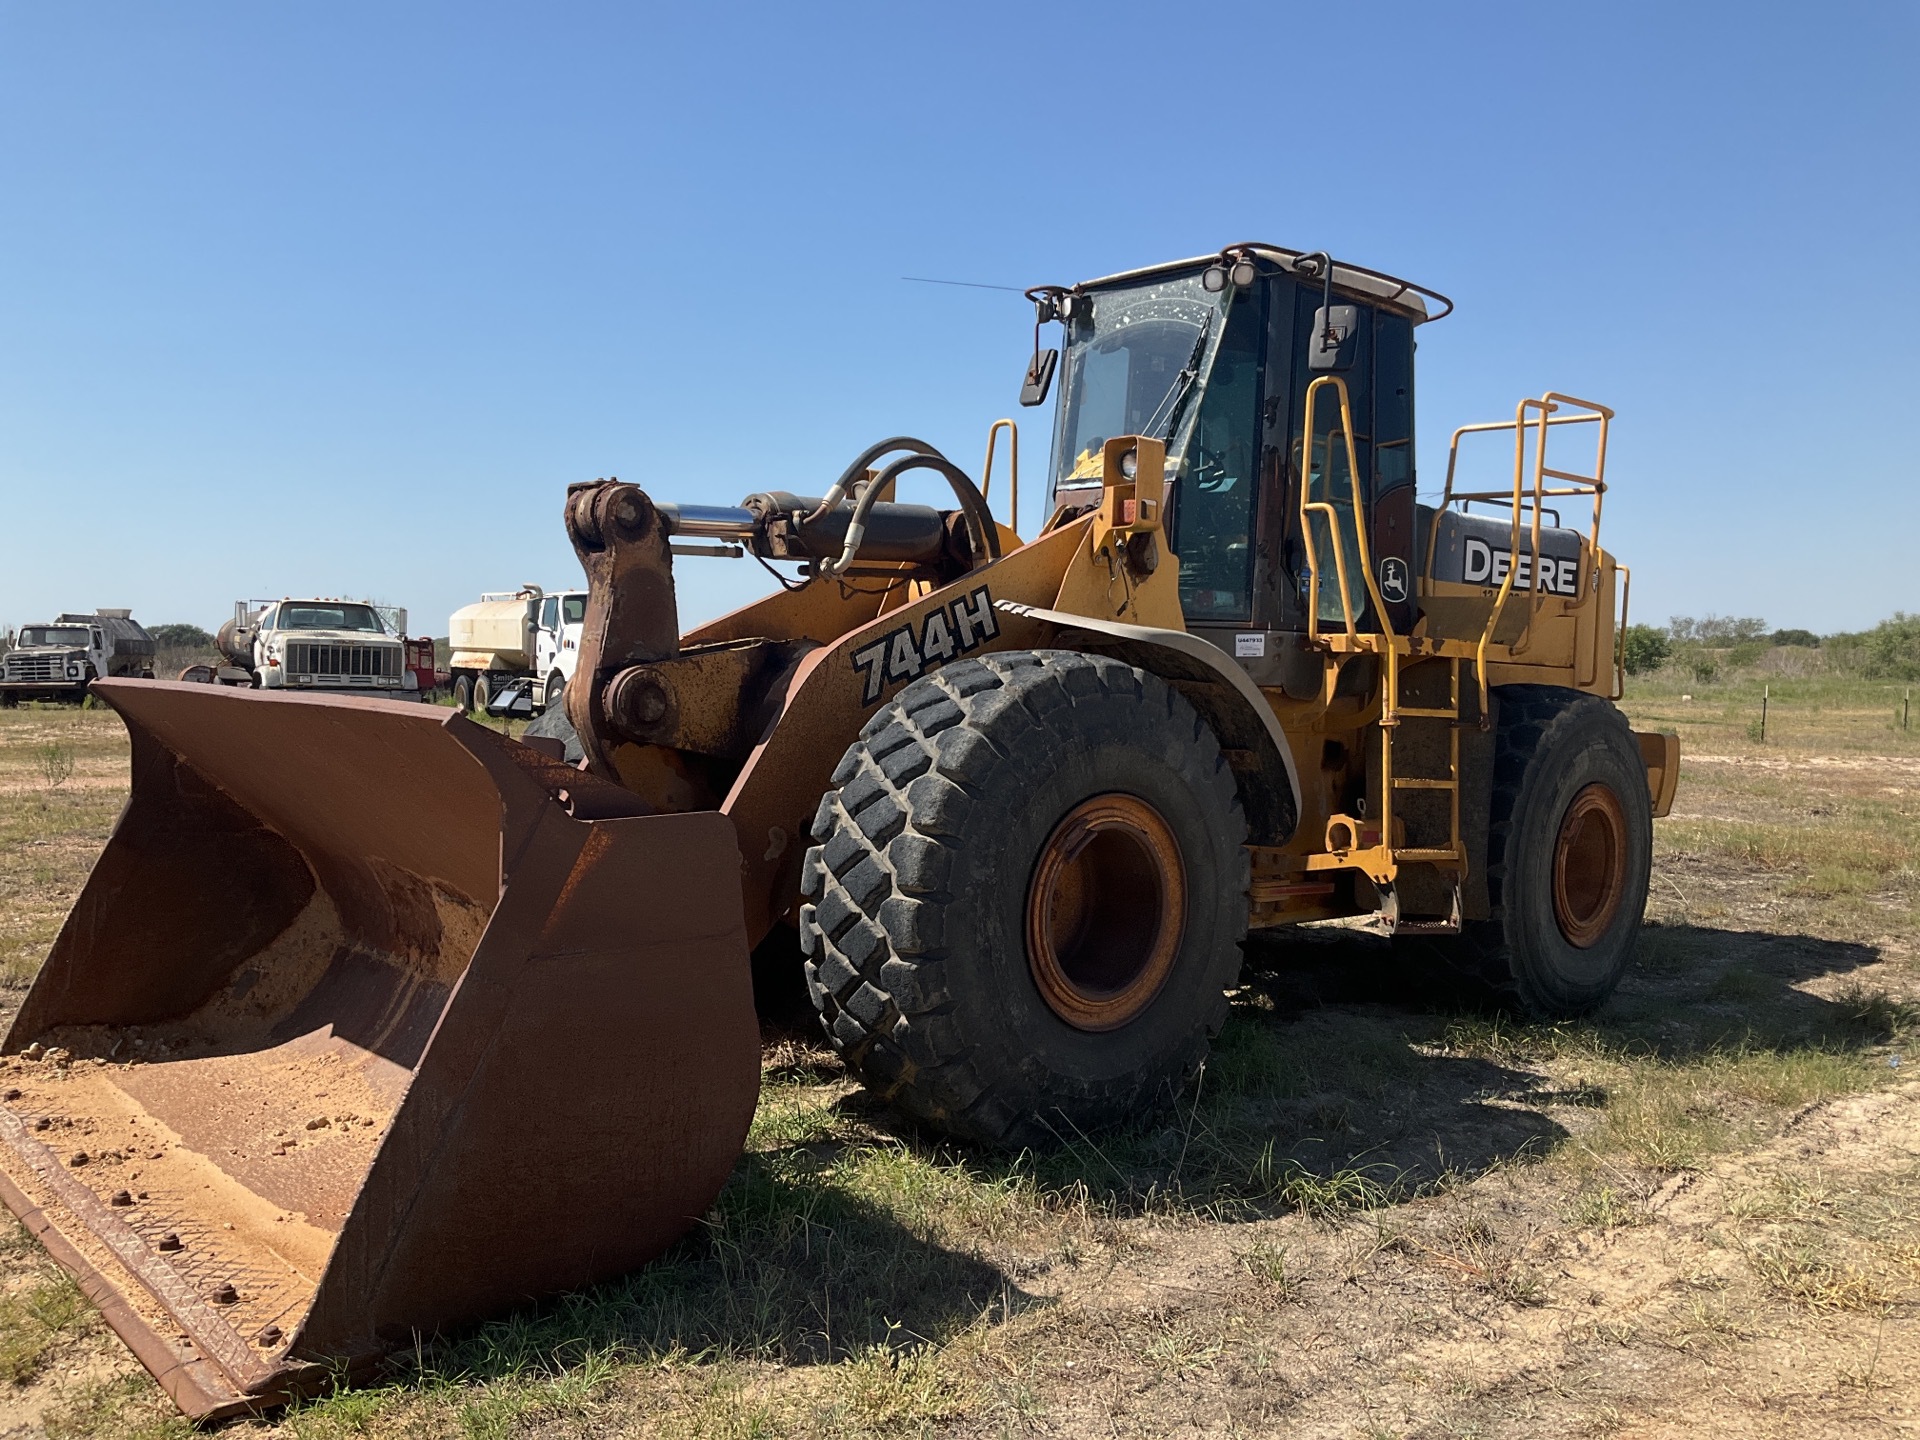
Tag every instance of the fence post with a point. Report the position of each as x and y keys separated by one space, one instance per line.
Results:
x=1765 y=691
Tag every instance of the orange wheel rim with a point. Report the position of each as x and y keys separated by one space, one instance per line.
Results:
x=1106 y=910
x=1589 y=865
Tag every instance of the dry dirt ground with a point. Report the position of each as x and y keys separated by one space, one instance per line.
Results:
x=1385 y=1209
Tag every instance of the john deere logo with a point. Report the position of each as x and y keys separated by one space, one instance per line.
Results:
x=1393 y=579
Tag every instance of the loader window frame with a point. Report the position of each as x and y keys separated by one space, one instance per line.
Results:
x=1136 y=363
x=1215 y=494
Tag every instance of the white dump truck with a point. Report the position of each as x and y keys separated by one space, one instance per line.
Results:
x=57 y=660
x=514 y=650
x=337 y=647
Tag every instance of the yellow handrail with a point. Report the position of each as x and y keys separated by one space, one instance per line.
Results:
x=1390 y=702
x=1545 y=408
x=1620 y=635
x=1537 y=415
x=1013 y=467
x=1449 y=495
x=1333 y=517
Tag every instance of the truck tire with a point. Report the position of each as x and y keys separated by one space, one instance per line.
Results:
x=463 y=694
x=555 y=692
x=482 y=691
x=1569 y=854
x=1026 y=898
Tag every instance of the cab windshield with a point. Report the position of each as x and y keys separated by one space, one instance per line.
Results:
x=32 y=635
x=329 y=617
x=1136 y=364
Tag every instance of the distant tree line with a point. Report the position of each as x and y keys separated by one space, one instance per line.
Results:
x=180 y=637
x=1712 y=643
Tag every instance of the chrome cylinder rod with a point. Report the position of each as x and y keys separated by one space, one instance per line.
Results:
x=708 y=522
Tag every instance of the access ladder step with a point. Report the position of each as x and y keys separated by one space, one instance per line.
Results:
x=1437 y=925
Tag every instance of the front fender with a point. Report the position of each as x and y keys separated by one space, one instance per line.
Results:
x=1220 y=690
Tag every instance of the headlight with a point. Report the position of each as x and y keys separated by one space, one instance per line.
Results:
x=1129 y=464
x=73 y=672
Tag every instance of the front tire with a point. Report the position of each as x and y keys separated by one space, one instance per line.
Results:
x=1027 y=896
x=1569 y=853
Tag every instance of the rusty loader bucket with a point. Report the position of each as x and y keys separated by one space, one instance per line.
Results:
x=369 y=1021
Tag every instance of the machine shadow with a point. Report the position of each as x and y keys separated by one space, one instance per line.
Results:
x=787 y=1267
x=1691 y=991
x=1346 y=1078
x=1355 y=1071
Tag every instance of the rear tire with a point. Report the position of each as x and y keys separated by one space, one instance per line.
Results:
x=1569 y=854
x=463 y=694
x=1027 y=896
x=482 y=692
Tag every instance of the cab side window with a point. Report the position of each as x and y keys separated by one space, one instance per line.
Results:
x=550 y=613
x=1214 y=493
x=1327 y=462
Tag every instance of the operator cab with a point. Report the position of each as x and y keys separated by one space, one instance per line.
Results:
x=1215 y=356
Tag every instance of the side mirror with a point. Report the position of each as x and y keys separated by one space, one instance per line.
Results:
x=1033 y=390
x=1331 y=347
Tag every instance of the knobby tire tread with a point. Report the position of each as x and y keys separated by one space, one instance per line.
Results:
x=879 y=964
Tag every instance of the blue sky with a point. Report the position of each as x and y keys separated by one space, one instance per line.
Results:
x=338 y=299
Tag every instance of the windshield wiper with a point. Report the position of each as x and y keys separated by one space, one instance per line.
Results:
x=1176 y=397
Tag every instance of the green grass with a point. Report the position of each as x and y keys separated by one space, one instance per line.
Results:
x=859 y=1278
x=1834 y=713
x=61 y=787
x=35 y=1321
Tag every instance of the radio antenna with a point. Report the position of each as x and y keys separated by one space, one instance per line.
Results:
x=969 y=284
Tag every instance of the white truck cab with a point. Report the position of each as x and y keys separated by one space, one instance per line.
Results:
x=557 y=642
x=336 y=646
x=57 y=660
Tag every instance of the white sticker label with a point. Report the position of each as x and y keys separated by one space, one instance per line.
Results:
x=1250 y=647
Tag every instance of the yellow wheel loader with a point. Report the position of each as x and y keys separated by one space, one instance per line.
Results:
x=371 y=1021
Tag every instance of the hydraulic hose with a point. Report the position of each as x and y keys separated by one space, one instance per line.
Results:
x=973 y=506
x=859 y=467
